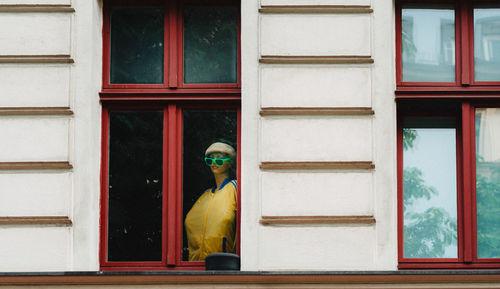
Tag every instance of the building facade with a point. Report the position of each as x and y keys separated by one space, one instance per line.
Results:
x=329 y=104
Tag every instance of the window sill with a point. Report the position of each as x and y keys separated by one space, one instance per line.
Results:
x=236 y=277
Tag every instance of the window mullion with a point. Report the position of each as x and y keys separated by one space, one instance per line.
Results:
x=465 y=45
x=171 y=168
x=467 y=146
x=172 y=44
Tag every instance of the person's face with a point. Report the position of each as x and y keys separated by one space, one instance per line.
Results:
x=219 y=170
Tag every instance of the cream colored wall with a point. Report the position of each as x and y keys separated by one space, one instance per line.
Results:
x=75 y=138
x=332 y=138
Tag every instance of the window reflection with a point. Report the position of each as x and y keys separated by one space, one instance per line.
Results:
x=211 y=222
x=488 y=182
x=428 y=45
x=487 y=44
x=429 y=188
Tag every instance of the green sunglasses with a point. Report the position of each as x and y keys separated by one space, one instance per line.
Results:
x=218 y=162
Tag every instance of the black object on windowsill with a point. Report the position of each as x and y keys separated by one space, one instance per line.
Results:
x=222 y=261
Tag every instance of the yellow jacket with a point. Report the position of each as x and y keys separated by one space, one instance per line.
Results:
x=211 y=219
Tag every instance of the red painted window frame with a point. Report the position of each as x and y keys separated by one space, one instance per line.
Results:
x=173 y=46
x=468 y=94
x=172 y=97
x=464 y=54
x=466 y=191
x=172 y=225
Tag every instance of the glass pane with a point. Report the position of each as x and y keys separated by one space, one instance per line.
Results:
x=210 y=44
x=488 y=182
x=428 y=45
x=209 y=213
x=135 y=186
x=430 y=189
x=136 y=45
x=487 y=44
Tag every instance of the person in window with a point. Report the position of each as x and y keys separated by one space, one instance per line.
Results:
x=211 y=222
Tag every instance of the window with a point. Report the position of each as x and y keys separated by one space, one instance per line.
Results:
x=171 y=88
x=448 y=97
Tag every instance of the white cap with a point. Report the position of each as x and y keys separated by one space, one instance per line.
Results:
x=220 y=147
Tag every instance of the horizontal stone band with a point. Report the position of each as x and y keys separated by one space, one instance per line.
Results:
x=36 y=220
x=284 y=111
x=317 y=166
x=26 y=8
x=337 y=59
x=316 y=220
x=314 y=9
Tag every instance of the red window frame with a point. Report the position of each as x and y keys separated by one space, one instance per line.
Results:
x=173 y=48
x=467 y=94
x=172 y=96
x=466 y=190
x=464 y=55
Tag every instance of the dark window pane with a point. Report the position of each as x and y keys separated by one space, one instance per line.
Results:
x=487 y=44
x=428 y=45
x=488 y=182
x=135 y=186
x=210 y=44
x=137 y=45
x=429 y=188
x=201 y=129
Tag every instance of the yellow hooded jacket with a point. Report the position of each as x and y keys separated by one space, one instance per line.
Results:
x=211 y=219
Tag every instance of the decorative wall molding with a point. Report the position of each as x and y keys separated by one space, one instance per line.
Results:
x=337 y=59
x=317 y=166
x=36 y=220
x=36 y=8
x=316 y=220
x=315 y=9
x=35 y=111
x=35 y=166
x=284 y=111
x=58 y=58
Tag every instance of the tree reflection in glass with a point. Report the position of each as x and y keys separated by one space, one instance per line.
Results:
x=488 y=182
x=429 y=188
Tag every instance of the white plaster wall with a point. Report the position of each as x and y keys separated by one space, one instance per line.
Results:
x=315 y=2
x=35 y=33
x=321 y=193
x=74 y=193
x=35 y=193
x=86 y=137
x=384 y=144
x=250 y=135
x=34 y=248
x=34 y=138
x=315 y=34
x=300 y=138
x=315 y=86
x=34 y=85
x=319 y=248
x=317 y=139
